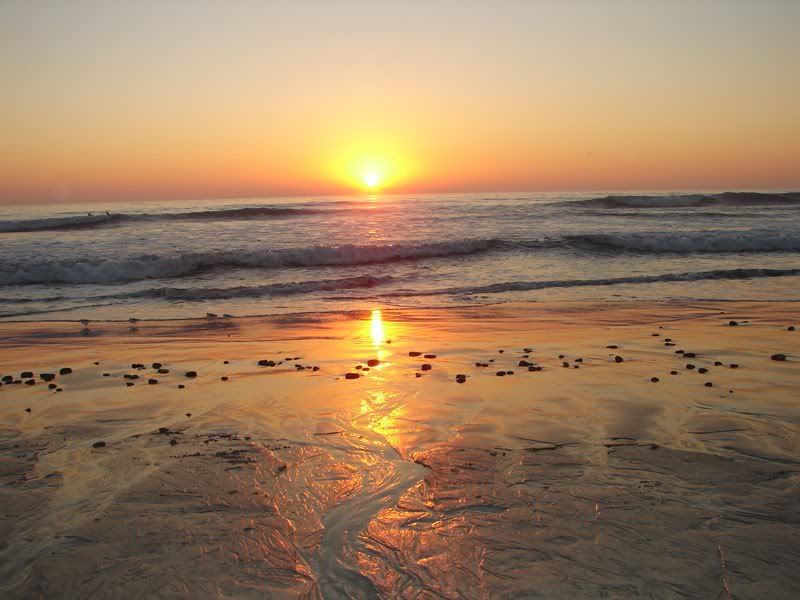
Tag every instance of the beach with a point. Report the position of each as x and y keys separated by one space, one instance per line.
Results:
x=630 y=449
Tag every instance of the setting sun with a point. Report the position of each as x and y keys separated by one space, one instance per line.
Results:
x=372 y=179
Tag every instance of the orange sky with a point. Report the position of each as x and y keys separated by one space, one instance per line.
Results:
x=147 y=100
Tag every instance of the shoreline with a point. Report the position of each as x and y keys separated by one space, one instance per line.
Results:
x=573 y=472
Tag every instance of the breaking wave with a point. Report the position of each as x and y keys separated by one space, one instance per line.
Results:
x=161 y=266
x=719 y=242
x=91 y=221
x=694 y=200
x=523 y=286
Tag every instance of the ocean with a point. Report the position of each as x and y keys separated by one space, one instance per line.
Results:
x=268 y=256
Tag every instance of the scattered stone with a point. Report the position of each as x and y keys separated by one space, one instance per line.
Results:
x=565 y=364
x=524 y=363
x=181 y=386
x=655 y=334
x=188 y=414
x=708 y=384
x=30 y=381
x=27 y=410
x=52 y=386
x=106 y=374
x=152 y=381
x=702 y=370
x=65 y=371
x=733 y=366
x=461 y=378
x=678 y=351
x=673 y=372
x=732 y=323
x=429 y=356
x=373 y=362
x=8 y=378
x=717 y=363
x=26 y=375
x=47 y=376
x=560 y=356
x=418 y=374
x=173 y=442
x=790 y=328
x=534 y=368
x=501 y=351
x=226 y=362
x=315 y=368
x=654 y=379
x=509 y=372
x=163 y=371
x=501 y=373
x=351 y=375
x=778 y=357
x=690 y=366
x=156 y=365
x=191 y=374
x=224 y=378
x=59 y=390
x=426 y=367
x=689 y=355
x=618 y=359
x=415 y=353
x=266 y=363
x=129 y=383
x=99 y=445
x=528 y=350
x=667 y=339
x=612 y=347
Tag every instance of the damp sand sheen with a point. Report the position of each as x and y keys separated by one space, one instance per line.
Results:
x=588 y=469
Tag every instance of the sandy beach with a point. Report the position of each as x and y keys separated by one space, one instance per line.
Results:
x=672 y=471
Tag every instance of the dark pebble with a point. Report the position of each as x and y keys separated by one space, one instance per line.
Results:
x=501 y=351
x=52 y=386
x=733 y=366
x=612 y=347
x=351 y=375
x=618 y=359
x=129 y=383
x=315 y=368
x=509 y=372
x=152 y=381
x=415 y=353
x=667 y=339
x=690 y=367
x=224 y=378
x=654 y=379
x=163 y=371
x=708 y=384
x=673 y=372
x=173 y=442
x=702 y=370
x=717 y=363
x=501 y=373
x=426 y=367
x=27 y=410
x=106 y=374
x=156 y=365
x=99 y=445
x=26 y=375
x=461 y=378
x=226 y=362
x=181 y=386
x=65 y=371
x=579 y=360
x=732 y=323
x=790 y=328
x=560 y=356
x=418 y=374
x=429 y=356
x=678 y=351
x=47 y=376
x=534 y=368
x=778 y=357
x=374 y=362
x=30 y=381
x=565 y=364
x=266 y=363
x=524 y=363
x=689 y=355
x=188 y=414
x=59 y=390
x=191 y=373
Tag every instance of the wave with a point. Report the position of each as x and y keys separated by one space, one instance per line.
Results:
x=693 y=200
x=104 y=220
x=717 y=242
x=160 y=266
x=523 y=286
x=259 y=291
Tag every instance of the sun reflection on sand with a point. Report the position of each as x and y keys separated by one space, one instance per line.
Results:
x=376 y=328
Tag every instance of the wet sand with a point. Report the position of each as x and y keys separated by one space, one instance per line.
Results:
x=281 y=482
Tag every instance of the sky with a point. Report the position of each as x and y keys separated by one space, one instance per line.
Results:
x=115 y=100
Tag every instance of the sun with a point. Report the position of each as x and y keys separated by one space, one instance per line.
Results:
x=372 y=179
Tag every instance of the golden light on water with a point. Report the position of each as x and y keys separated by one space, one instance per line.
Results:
x=376 y=327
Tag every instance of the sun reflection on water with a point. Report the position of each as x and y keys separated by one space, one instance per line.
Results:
x=376 y=328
